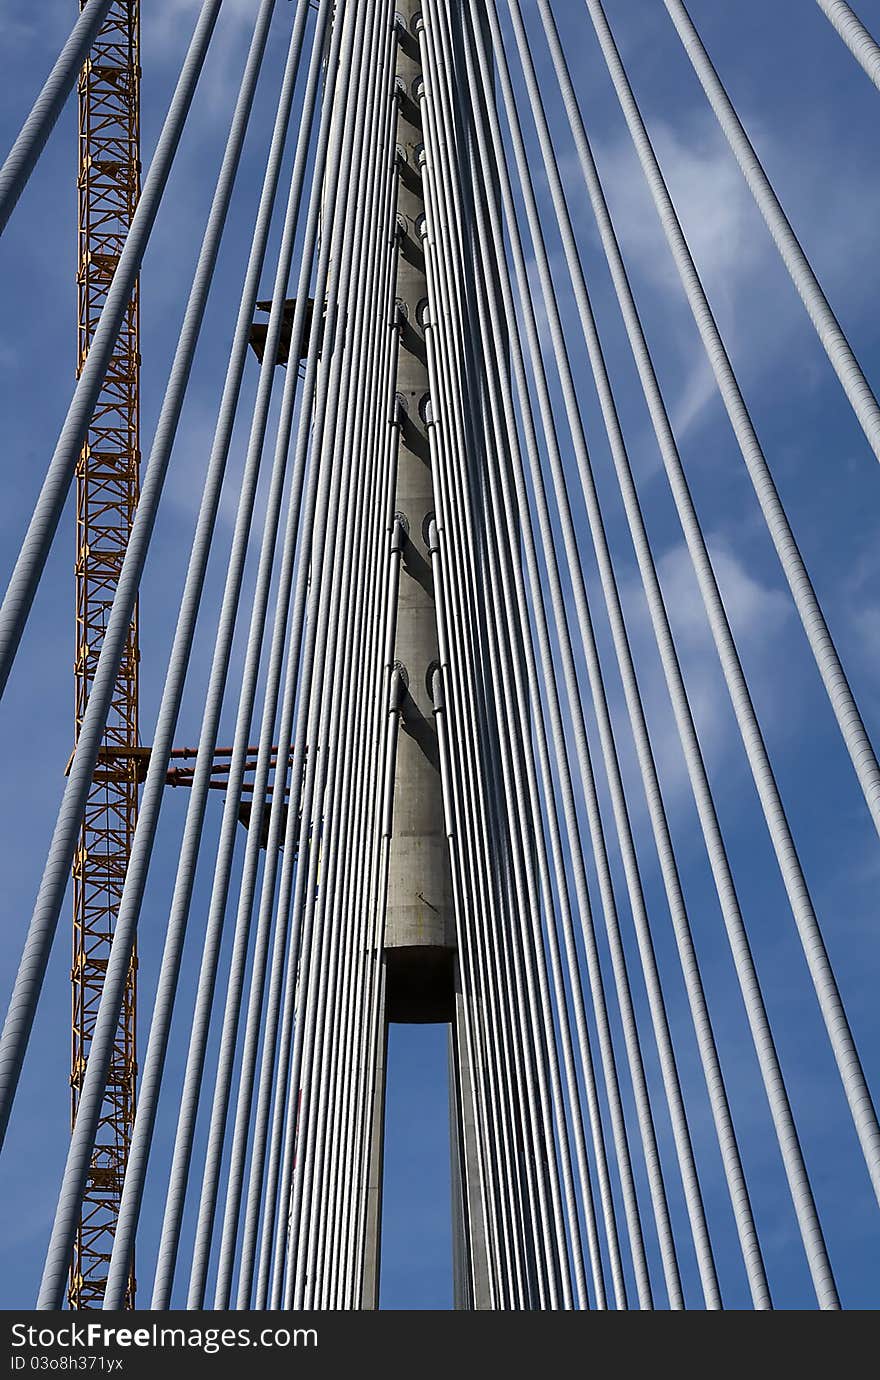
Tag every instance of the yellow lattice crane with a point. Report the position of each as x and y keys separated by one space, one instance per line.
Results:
x=107 y=487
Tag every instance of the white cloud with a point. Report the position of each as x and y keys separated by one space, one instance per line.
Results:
x=167 y=30
x=755 y=611
x=162 y=23
x=697 y=392
x=711 y=198
x=756 y=307
x=759 y=616
x=860 y=618
x=867 y=621
x=15 y=32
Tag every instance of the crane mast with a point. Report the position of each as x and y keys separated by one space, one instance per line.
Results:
x=107 y=488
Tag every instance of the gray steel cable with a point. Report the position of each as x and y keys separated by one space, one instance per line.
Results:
x=671 y=1083
x=506 y=538
x=22 y=157
x=257 y=997
x=79 y=781
x=458 y=554
x=828 y=328
x=316 y=1016
x=813 y=620
x=370 y=823
x=758 y=1022
x=470 y=814
x=306 y=876
x=299 y=530
x=324 y=1268
x=509 y=435
x=468 y=712
x=456 y=579
x=466 y=908
x=470 y=1000
x=457 y=583
x=689 y=963
x=275 y=1071
x=441 y=144
x=650 y=971
x=297 y=680
x=514 y=701
x=338 y=687
x=313 y=1075
x=369 y=655
x=818 y=635
x=759 y=1025
x=367 y=517
x=207 y=976
x=490 y=239
x=373 y=795
x=374 y=882
x=533 y=997
x=163 y=1006
x=371 y=923
x=505 y=331
x=369 y=994
x=600 y=854
x=861 y=44
x=380 y=463
x=325 y=699
x=351 y=267
x=833 y=1013
x=41 y=530
x=514 y=847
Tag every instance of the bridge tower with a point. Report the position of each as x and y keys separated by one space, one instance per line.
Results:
x=421 y=977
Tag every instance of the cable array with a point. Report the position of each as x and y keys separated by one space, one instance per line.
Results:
x=597 y=1140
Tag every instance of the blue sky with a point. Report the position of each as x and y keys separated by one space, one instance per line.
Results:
x=813 y=118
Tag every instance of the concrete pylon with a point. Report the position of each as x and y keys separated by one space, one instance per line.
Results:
x=420 y=979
